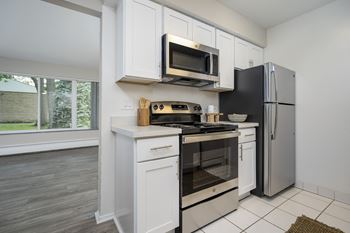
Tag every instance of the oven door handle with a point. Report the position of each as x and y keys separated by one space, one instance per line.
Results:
x=209 y=137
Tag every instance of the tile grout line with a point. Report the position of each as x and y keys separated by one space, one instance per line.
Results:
x=324 y=209
x=249 y=225
x=332 y=214
x=275 y=207
x=262 y=218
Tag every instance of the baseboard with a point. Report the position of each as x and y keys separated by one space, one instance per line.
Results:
x=117 y=224
x=47 y=146
x=323 y=191
x=103 y=218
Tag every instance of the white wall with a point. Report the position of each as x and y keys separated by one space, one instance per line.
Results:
x=217 y=14
x=317 y=46
x=41 y=69
x=117 y=99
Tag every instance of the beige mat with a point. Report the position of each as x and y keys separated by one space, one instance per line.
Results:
x=304 y=224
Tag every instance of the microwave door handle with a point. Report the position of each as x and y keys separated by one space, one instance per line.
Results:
x=211 y=68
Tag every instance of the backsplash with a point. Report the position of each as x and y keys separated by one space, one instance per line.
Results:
x=128 y=96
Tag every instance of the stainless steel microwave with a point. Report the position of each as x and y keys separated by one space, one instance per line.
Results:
x=188 y=63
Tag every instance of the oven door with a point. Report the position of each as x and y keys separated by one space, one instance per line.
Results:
x=209 y=165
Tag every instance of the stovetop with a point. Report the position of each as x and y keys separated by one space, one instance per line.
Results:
x=201 y=127
x=184 y=115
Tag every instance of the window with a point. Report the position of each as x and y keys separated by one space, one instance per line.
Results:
x=61 y=104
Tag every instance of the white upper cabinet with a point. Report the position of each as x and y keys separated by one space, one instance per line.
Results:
x=186 y=27
x=255 y=56
x=241 y=53
x=139 y=45
x=177 y=24
x=226 y=45
x=203 y=33
x=247 y=55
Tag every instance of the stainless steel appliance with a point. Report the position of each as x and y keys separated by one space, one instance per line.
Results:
x=267 y=94
x=208 y=167
x=189 y=63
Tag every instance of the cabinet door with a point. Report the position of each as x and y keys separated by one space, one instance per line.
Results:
x=226 y=45
x=255 y=56
x=246 y=167
x=157 y=195
x=203 y=33
x=241 y=54
x=177 y=24
x=143 y=39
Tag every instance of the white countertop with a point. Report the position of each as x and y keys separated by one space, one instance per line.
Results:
x=145 y=131
x=242 y=125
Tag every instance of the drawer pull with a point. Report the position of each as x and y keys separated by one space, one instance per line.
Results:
x=161 y=147
x=248 y=135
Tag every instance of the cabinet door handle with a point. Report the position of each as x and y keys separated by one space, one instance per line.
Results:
x=241 y=156
x=177 y=171
x=248 y=135
x=161 y=147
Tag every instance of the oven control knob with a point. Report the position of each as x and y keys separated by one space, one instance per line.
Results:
x=155 y=107
x=199 y=108
x=195 y=108
x=161 y=107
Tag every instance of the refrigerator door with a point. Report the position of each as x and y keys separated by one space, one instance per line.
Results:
x=279 y=84
x=279 y=148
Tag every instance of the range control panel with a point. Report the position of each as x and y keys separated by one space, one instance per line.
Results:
x=174 y=107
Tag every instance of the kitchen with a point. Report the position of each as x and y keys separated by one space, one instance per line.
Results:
x=245 y=68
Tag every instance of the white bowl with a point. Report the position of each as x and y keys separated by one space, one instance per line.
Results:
x=237 y=117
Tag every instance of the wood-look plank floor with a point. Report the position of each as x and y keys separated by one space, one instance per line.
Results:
x=50 y=192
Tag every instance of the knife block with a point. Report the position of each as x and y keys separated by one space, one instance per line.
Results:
x=143 y=117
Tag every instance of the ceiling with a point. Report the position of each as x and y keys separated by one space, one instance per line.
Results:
x=269 y=13
x=39 y=31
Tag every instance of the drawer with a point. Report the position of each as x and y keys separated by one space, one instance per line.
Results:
x=155 y=148
x=247 y=135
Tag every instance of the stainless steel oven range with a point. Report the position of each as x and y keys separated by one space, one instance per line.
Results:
x=209 y=163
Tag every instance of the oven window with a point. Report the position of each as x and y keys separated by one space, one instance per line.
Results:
x=209 y=163
x=185 y=58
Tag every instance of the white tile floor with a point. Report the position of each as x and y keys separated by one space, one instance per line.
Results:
x=275 y=215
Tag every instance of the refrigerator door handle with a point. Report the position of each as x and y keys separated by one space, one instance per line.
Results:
x=273 y=73
x=273 y=136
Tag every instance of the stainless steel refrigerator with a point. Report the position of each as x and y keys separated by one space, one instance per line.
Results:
x=267 y=94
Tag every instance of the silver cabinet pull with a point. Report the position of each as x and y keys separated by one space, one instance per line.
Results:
x=241 y=156
x=178 y=169
x=248 y=135
x=162 y=147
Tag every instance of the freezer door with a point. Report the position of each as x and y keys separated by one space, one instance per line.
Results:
x=279 y=84
x=279 y=148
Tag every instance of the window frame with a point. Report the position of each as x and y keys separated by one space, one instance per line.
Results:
x=74 y=107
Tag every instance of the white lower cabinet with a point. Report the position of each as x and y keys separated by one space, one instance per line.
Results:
x=246 y=167
x=157 y=195
x=246 y=162
x=147 y=184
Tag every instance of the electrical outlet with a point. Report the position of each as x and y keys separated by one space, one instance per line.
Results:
x=128 y=107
